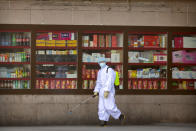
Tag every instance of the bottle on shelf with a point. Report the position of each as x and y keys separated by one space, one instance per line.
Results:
x=13 y=39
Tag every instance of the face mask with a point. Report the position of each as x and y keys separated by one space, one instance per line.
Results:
x=102 y=65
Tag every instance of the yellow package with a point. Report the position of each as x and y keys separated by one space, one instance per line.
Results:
x=60 y=43
x=40 y=42
x=50 y=42
x=71 y=43
x=134 y=74
x=184 y=85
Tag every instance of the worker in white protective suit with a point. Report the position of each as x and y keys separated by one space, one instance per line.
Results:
x=105 y=88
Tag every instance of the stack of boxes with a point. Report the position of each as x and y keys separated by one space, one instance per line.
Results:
x=51 y=39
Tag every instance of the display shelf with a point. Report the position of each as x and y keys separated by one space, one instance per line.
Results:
x=81 y=30
x=183 y=79
x=98 y=32
x=145 y=48
x=147 y=32
x=148 y=64
x=102 y=48
x=183 y=64
x=54 y=47
x=57 y=63
x=188 y=49
x=158 y=79
x=14 y=63
x=15 y=47
x=89 y=78
x=56 y=78
x=95 y=63
x=15 y=79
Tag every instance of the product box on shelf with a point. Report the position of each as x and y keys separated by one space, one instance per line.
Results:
x=189 y=42
x=50 y=43
x=133 y=57
x=95 y=40
x=176 y=75
x=60 y=43
x=71 y=43
x=151 y=41
x=159 y=57
x=189 y=57
x=85 y=41
x=47 y=84
x=114 y=41
x=177 y=56
x=66 y=36
x=115 y=57
x=63 y=84
x=119 y=40
x=108 y=40
x=40 y=42
x=178 y=42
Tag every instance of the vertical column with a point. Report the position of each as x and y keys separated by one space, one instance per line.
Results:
x=169 y=61
x=125 y=60
x=79 y=66
x=33 y=59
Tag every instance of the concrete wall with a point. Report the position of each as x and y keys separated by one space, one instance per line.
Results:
x=99 y=12
x=52 y=109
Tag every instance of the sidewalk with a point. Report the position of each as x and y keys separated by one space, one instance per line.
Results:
x=155 y=127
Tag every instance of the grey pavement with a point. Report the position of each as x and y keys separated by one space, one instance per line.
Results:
x=154 y=127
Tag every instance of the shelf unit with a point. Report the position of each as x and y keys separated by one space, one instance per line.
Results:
x=15 y=60
x=86 y=29
x=181 y=49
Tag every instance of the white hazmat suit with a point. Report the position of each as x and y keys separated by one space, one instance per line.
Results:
x=107 y=106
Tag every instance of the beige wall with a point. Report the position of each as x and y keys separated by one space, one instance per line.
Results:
x=52 y=109
x=99 y=12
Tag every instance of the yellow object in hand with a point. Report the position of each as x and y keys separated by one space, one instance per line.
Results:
x=95 y=94
x=106 y=93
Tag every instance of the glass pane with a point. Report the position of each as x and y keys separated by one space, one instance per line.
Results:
x=15 y=60
x=56 y=59
x=184 y=61
x=101 y=44
x=147 y=61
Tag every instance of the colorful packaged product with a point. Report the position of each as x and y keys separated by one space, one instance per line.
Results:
x=88 y=73
x=145 y=84
x=155 y=85
x=58 y=84
x=65 y=36
x=91 y=84
x=140 y=84
x=52 y=84
x=47 y=84
x=134 y=84
x=190 y=85
x=85 y=84
x=55 y=36
x=163 y=85
x=41 y=84
x=63 y=84
x=150 y=85
x=73 y=84
x=93 y=74
x=68 y=84
x=37 y=84
x=95 y=40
